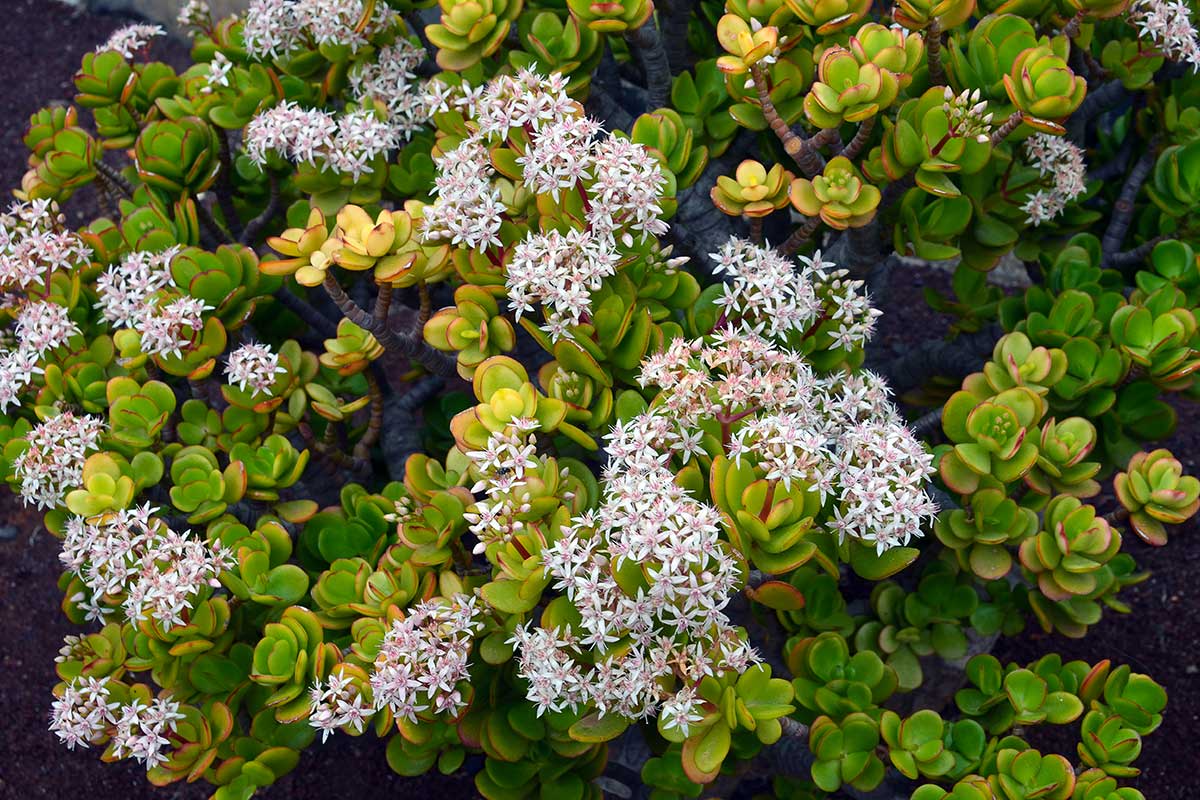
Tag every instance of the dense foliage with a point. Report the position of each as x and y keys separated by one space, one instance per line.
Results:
x=498 y=378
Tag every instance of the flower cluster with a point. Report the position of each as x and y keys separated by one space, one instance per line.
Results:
x=34 y=243
x=1168 y=25
x=139 y=293
x=80 y=718
x=218 y=72
x=838 y=436
x=253 y=366
x=41 y=327
x=620 y=184
x=1061 y=161
x=391 y=79
x=141 y=730
x=765 y=292
x=131 y=39
x=132 y=558
x=194 y=14
x=274 y=28
x=335 y=703
x=968 y=114
x=503 y=464
x=424 y=656
x=53 y=462
x=345 y=144
x=647 y=525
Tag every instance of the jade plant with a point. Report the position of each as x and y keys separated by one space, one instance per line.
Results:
x=500 y=380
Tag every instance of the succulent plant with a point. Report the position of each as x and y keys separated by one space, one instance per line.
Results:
x=845 y=753
x=853 y=85
x=1025 y=774
x=1042 y=87
x=612 y=17
x=473 y=327
x=668 y=136
x=828 y=16
x=743 y=47
x=1155 y=492
x=753 y=191
x=830 y=681
x=1073 y=544
x=179 y=156
x=980 y=535
x=470 y=30
x=990 y=437
x=840 y=196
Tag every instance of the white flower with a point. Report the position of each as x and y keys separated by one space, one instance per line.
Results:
x=1168 y=25
x=53 y=462
x=1061 y=161
x=255 y=366
x=130 y=39
x=133 y=554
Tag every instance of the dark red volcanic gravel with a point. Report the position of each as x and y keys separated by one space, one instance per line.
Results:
x=42 y=44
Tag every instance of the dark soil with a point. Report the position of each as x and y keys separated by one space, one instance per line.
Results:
x=42 y=43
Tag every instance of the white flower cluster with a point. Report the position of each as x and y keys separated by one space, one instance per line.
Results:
x=797 y=427
x=336 y=703
x=218 y=72
x=86 y=714
x=253 y=366
x=80 y=718
x=130 y=39
x=503 y=465
x=1168 y=25
x=274 y=28
x=194 y=14
x=53 y=463
x=1058 y=159
x=133 y=558
x=139 y=293
x=619 y=184
x=647 y=525
x=424 y=656
x=391 y=78
x=968 y=114
x=41 y=326
x=345 y=144
x=766 y=293
x=34 y=243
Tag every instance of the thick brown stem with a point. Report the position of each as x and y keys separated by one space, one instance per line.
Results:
x=1011 y=124
x=383 y=303
x=1071 y=29
x=647 y=47
x=799 y=236
x=756 y=229
x=802 y=151
x=426 y=308
x=224 y=186
x=861 y=137
x=933 y=52
x=256 y=225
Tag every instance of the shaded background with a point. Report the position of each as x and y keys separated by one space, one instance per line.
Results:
x=41 y=43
